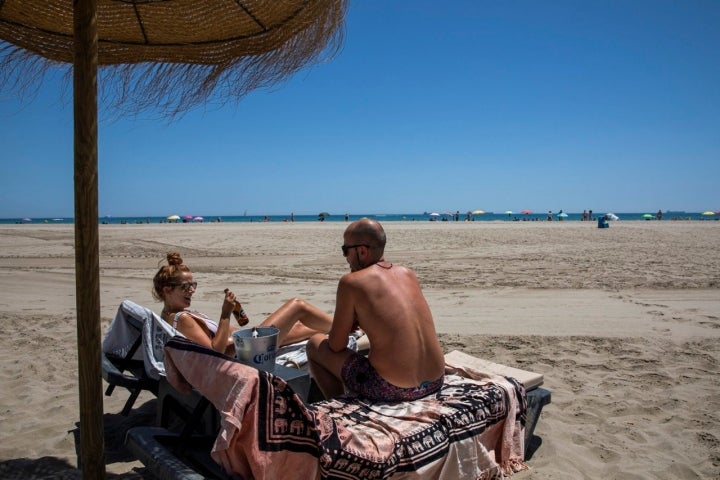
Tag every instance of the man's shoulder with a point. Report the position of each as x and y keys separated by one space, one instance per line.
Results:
x=359 y=277
x=373 y=274
x=352 y=277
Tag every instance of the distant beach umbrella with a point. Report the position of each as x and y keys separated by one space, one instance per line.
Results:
x=478 y=212
x=648 y=216
x=169 y=56
x=526 y=212
x=508 y=212
x=612 y=216
x=27 y=220
x=188 y=217
x=562 y=215
x=198 y=219
x=708 y=213
x=434 y=214
x=173 y=218
x=323 y=214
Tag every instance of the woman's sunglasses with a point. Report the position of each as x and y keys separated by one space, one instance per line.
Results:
x=185 y=286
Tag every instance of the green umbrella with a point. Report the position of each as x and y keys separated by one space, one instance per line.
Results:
x=648 y=216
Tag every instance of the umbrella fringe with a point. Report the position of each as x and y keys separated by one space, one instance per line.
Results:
x=170 y=80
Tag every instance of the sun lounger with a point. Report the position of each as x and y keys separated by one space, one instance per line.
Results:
x=132 y=351
x=157 y=449
x=537 y=397
x=129 y=374
x=460 y=434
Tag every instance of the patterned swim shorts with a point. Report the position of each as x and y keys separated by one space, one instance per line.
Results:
x=361 y=377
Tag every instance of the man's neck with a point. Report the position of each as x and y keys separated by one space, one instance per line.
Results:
x=383 y=264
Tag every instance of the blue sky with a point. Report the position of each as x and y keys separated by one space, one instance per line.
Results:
x=607 y=105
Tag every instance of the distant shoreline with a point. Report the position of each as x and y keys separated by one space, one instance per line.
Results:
x=389 y=217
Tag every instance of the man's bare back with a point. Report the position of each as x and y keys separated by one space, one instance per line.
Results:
x=386 y=302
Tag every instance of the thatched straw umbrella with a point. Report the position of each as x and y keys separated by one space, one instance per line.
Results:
x=167 y=54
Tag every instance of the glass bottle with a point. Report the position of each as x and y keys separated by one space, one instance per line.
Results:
x=239 y=313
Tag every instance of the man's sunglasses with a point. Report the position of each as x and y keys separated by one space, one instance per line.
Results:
x=346 y=248
x=185 y=286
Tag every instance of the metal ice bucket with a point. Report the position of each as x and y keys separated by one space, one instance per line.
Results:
x=258 y=352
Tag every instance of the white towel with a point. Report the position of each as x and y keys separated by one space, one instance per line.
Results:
x=155 y=332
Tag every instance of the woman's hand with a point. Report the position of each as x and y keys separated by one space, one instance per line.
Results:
x=228 y=304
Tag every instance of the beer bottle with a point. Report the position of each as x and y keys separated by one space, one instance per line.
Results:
x=239 y=313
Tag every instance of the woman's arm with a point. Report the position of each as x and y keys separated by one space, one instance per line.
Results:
x=223 y=339
x=195 y=330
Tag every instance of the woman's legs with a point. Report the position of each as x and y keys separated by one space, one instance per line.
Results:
x=298 y=320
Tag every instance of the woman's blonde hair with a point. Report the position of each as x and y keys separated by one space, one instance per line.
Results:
x=168 y=274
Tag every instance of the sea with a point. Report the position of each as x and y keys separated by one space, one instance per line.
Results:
x=383 y=217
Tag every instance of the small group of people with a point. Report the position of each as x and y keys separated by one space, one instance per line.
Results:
x=382 y=299
x=587 y=216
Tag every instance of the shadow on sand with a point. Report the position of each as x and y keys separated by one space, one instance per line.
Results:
x=54 y=468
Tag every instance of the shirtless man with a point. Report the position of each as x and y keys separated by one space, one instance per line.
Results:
x=384 y=300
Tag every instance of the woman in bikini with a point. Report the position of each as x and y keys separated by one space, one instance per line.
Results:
x=173 y=285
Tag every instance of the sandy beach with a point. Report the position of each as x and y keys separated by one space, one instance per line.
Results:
x=623 y=322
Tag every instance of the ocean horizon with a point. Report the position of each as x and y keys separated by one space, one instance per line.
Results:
x=381 y=217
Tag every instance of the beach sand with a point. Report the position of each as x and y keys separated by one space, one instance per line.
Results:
x=623 y=322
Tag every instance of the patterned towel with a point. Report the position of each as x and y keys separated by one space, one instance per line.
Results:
x=472 y=428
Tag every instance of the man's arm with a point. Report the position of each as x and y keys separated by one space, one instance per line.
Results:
x=344 y=318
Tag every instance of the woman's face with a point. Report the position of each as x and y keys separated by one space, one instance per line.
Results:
x=178 y=297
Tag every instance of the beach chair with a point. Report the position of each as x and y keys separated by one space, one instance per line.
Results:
x=468 y=416
x=536 y=396
x=132 y=351
x=178 y=447
x=127 y=373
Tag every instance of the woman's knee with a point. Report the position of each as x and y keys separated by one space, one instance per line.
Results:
x=297 y=304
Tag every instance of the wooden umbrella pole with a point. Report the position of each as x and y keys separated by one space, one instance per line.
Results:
x=87 y=263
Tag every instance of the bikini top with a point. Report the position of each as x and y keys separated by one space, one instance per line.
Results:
x=212 y=326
